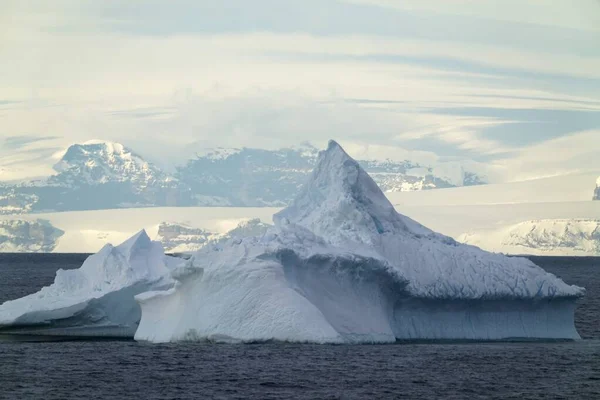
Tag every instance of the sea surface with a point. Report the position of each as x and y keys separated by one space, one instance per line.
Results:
x=131 y=370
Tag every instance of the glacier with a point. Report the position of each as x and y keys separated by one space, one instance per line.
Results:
x=98 y=298
x=339 y=265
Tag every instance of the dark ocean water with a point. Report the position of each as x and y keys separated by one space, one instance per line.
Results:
x=130 y=370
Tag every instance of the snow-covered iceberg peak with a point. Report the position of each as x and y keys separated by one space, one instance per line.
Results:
x=344 y=206
x=341 y=202
x=113 y=267
x=96 y=299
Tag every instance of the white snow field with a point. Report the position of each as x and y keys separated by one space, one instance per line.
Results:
x=474 y=212
x=98 y=298
x=557 y=189
x=342 y=266
x=552 y=237
x=508 y=217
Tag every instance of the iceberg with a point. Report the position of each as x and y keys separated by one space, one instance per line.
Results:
x=340 y=265
x=96 y=300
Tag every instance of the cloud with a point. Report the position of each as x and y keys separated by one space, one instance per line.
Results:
x=585 y=15
x=569 y=154
x=27 y=156
x=17 y=142
x=144 y=112
x=427 y=77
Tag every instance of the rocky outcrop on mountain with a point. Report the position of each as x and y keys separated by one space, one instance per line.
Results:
x=105 y=175
x=13 y=201
x=597 y=191
x=179 y=237
x=19 y=235
x=249 y=177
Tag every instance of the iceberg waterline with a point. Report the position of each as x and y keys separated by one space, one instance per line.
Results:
x=339 y=266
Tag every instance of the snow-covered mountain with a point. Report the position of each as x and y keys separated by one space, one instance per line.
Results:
x=18 y=236
x=103 y=175
x=564 y=237
x=258 y=177
x=104 y=162
x=14 y=201
x=249 y=177
x=99 y=175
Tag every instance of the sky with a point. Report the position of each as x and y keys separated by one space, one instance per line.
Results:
x=508 y=86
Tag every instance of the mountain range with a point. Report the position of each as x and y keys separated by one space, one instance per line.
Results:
x=105 y=175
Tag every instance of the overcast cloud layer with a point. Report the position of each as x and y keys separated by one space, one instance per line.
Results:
x=511 y=84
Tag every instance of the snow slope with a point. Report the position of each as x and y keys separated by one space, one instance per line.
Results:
x=487 y=216
x=341 y=265
x=98 y=298
x=566 y=188
x=457 y=220
x=96 y=162
x=574 y=237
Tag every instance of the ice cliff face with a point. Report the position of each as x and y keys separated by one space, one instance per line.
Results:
x=575 y=237
x=19 y=235
x=96 y=299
